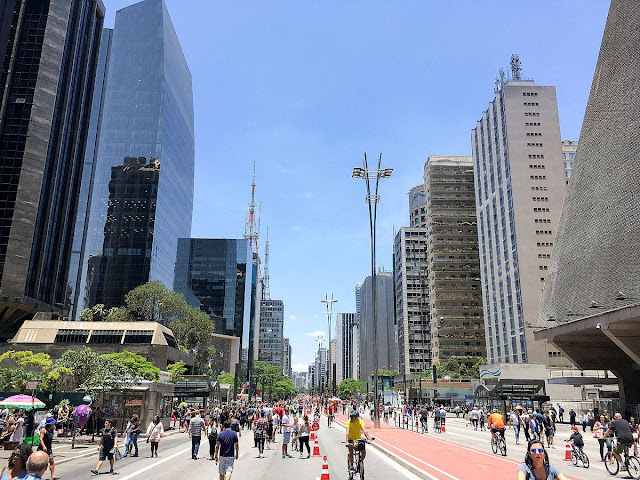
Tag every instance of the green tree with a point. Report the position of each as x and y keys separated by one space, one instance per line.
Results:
x=21 y=366
x=97 y=313
x=119 y=314
x=350 y=387
x=193 y=331
x=177 y=370
x=225 y=377
x=153 y=302
x=283 y=388
x=137 y=366
x=94 y=373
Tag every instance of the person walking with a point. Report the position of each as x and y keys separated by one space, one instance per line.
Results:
x=549 y=429
x=46 y=440
x=524 y=424
x=155 y=430
x=286 y=424
x=536 y=464
x=270 y=433
x=212 y=435
x=260 y=433
x=133 y=431
x=561 y=413
x=16 y=466
x=227 y=450
x=36 y=465
x=572 y=417
x=515 y=423
x=107 y=447
x=196 y=427
x=303 y=436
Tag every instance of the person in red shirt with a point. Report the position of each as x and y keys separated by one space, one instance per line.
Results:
x=330 y=410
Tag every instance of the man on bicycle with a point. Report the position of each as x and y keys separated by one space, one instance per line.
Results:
x=495 y=423
x=622 y=430
x=355 y=430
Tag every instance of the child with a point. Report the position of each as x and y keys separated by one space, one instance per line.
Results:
x=576 y=438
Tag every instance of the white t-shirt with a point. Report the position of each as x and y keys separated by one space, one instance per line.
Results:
x=515 y=419
x=474 y=414
x=286 y=420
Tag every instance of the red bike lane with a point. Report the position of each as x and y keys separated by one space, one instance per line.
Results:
x=441 y=458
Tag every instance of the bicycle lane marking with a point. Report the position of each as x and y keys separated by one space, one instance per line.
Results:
x=395 y=464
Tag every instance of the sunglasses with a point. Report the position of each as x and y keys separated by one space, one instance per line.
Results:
x=537 y=450
x=15 y=454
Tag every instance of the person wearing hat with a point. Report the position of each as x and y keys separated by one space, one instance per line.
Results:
x=576 y=438
x=46 y=439
x=355 y=430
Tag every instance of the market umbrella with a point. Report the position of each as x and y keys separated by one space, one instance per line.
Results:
x=22 y=401
x=133 y=403
x=183 y=404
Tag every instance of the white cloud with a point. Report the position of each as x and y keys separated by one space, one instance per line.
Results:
x=308 y=195
x=297 y=228
x=293 y=317
x=317 y=333
x=300 y=367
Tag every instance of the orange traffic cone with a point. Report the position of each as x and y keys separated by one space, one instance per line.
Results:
x=313 y=435
x=443 y=431
x=316 y=449
x=325 y=469
x=567 y=451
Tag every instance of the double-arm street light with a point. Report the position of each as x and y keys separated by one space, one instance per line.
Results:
x=331 y=376
x=373 y=175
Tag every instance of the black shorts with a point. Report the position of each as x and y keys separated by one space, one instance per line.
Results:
x=359 y=445
x=105 y=454
x=494 y=430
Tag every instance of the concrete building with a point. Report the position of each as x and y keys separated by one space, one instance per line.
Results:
x=345 y=343
x=48 y=63
x=311 y=376
x=569 y=149
x=270 y=342
x=286 y=358
x=300 y=379
x=152 y=340
x=147 y=112
x=320 y=367
x=387 y=343
x=453 y=265
x=519 y=188
x=589 y=307
x=412 y=299
x=417 y=207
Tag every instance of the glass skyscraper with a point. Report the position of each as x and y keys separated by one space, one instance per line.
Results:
x=146 y=114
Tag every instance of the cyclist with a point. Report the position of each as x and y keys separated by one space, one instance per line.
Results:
x=330 y=414
x=355 y=430
x=621 y=428
x=495 y=423
x=576 y=439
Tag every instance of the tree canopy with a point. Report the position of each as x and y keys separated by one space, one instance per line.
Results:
x=137 y=366
x=350 y=387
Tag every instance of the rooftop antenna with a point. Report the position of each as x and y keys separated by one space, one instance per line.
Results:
x=251 y=230
x=266 y=282
x=516 y=67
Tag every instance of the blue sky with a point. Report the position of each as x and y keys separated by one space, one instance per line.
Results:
x=303 y=88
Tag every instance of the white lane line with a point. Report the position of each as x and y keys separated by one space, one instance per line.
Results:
x=160 y=462
x=394 y=464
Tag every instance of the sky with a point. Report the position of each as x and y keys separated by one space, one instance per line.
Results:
x=304 y=88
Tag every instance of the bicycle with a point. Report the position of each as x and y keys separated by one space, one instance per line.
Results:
x=498 y=443
x=612 y=464
x=358 y=463
x=578 y=455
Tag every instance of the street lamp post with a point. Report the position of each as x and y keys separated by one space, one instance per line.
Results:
x=329 y=304
x=369 y=174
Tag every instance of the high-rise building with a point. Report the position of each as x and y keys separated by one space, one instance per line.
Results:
x=345 y=342
x=270 y=346
x=286 y=358
x=48 y=62
x=417 y=206
x=147 y=111
x=412 y=299
x=569 y=149
x=386 y=342
x=218 y=276
x=128 y=232
x=320 y=368
x=453 y=265
x=519 y=187
x=356 y=336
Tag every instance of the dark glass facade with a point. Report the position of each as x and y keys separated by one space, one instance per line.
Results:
x=47 y=73
x=217 y=275
x=147 y=111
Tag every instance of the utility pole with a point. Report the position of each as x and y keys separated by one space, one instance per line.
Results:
x=329 y=304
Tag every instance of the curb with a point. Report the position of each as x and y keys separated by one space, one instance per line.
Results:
x=400 y=461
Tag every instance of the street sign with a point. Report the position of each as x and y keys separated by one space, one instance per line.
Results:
x=32 y=384
x=315 y=426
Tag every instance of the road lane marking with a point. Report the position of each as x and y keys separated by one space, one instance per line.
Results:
x=153 y=465
x=480 y=465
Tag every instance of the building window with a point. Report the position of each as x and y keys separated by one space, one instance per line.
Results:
x=106 y=336
x=138 y=336
x=72 y=336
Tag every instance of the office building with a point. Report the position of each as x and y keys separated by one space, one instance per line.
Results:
x=417 y=207
x=519 y=188
x=147 y=112
x=286 y=358
x=217 y=276
x=356 y=336
x=453 y=264
x=569 y=149
x=386 y=342
x=589 y=306
x=48 y=62
x=270 y=341
x=412 y=299
x=321 y=362
x=345 y=343
x=311 y=376
x=300 y=379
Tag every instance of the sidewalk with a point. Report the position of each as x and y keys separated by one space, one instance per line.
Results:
x=437 y=455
